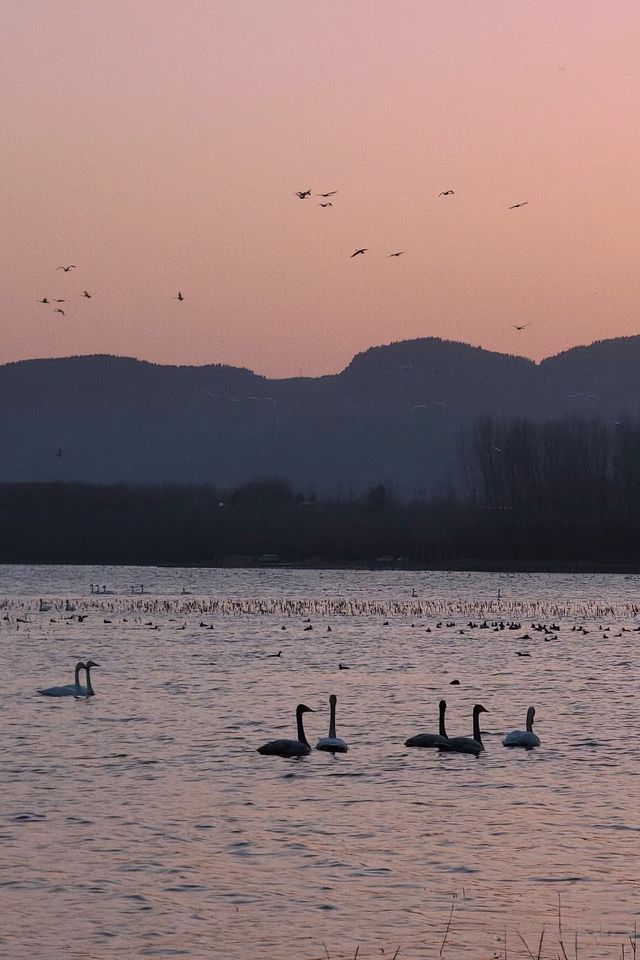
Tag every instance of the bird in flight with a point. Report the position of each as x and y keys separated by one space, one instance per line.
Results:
x=516 y=205
x=303 y=193
x=521 y=327
x=324 y=204
x=71 y=266
x=60 y=310
x=362 y=250
x=44 y=300
x=331 y=193
x=179 y=297
x=446 y=193
x=398 y=254
x=87 y=295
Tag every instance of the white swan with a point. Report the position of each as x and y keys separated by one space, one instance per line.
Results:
x=290 y=748
x=523 y=738
x=68 y=690
x=87 y=691
x=332 y=744
x=431 y=739
x=472 y=744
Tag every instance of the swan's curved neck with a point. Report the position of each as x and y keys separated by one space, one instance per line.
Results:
x=441 y=727
x=301 y=736
x=79 y=667
x=332 y=721
x=476 y=727
x=529 y=723
x=90 y=692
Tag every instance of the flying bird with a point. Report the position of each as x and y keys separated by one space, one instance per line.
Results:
x=331 y=193
x=60 y=310
x=87 y=295
x=516 y=205
x=179 y=297
x=446 y=193
x=324 y=204
x=44 y=300
x=521 y=327
x=71 y=266
x=303 y=193
x=362 y=250
x=398 y=254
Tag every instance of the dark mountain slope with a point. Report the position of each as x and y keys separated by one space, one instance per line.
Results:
x=394 y=415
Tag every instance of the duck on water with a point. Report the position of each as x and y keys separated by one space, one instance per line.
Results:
x=74 y=689
x=474 y=744
x=427 y=740
x=290 y=748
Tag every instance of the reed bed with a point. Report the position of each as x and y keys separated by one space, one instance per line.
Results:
x=508 y=609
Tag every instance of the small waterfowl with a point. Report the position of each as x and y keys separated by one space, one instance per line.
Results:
x=66 y=690
x=290 y=748
x=472 y=744
x=332 y=744
x=523 y=738
x=431 y=739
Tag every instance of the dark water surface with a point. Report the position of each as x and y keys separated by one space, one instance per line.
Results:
x=142 y=823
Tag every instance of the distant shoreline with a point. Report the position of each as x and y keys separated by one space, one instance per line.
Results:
x=475 y=566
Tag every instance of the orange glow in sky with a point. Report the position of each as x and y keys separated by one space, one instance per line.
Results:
x=158 y=144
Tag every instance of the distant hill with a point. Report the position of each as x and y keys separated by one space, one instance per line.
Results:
x=394 y=415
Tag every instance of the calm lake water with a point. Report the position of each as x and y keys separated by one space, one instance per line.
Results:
x=142 y=823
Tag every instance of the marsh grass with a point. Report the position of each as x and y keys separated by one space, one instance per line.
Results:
x=562 y=946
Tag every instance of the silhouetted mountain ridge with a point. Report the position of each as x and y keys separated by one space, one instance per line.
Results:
x=395 y=414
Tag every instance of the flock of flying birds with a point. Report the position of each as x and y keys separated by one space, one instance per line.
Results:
x=306 y=194
x=302 y=195
x=85 y=293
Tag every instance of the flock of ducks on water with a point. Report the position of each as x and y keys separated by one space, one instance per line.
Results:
x=300 y=747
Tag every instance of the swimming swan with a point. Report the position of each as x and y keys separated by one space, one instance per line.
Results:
x=332 y=744
x=290 y=748
x=70 y=689
x=431 y=739
x=523 y=738
x=87 y=691
x=472 y=744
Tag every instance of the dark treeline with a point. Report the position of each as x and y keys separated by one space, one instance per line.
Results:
x=555 y=494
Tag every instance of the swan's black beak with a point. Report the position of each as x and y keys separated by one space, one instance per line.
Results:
x=92 y=663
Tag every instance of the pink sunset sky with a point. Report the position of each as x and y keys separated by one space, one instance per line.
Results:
x=157 y=145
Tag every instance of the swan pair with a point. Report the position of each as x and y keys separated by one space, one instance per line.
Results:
x=473 y=745
x=301 y=747
x=447 y=744
x=74 y=689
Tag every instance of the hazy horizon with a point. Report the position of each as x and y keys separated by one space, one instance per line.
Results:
x=159 y=145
